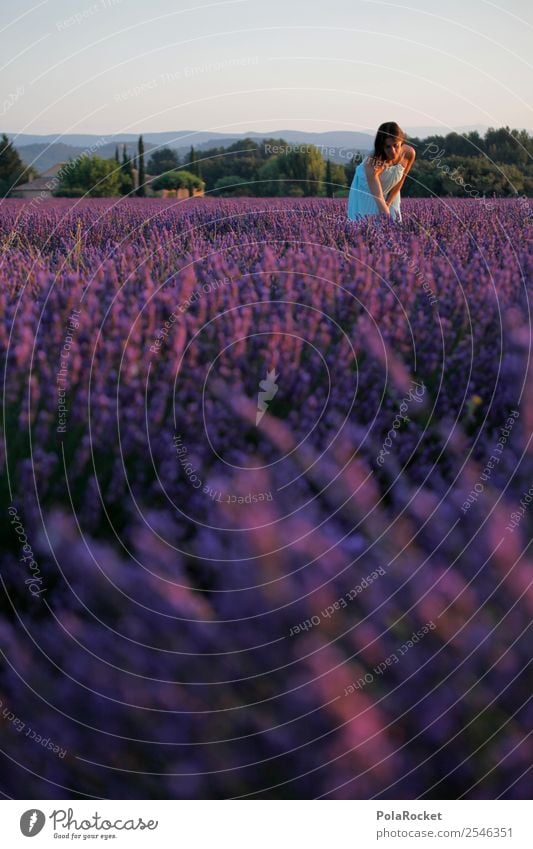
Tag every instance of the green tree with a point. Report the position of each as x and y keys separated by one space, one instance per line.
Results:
x=91 y=176
x=335 y=180
x=233 y=186
x=329 y=179
x=12 y=169
x=338 y=180
x=127 y=163
x=523 y=147
x=349 y=169
x=141 y=188
x=303 y=167
x=424 y=180
x=500 y=145
x=194 y=165
x=163 y=160
x=458 y=145
x=177 y=180
x=125 y=173
x=477 y=144
x=244 y=157
x=270 y=179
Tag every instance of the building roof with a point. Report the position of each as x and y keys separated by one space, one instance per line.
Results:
x=43 y=183
x=39 y=184
x=53 y=170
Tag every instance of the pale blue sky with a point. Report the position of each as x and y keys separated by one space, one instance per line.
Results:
x=137 y=66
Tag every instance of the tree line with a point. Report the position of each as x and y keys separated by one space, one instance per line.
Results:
x=500 y=163
x=471 y=165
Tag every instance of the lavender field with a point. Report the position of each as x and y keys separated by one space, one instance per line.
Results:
x=267 y=478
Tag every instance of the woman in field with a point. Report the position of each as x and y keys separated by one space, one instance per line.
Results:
x=377 y=181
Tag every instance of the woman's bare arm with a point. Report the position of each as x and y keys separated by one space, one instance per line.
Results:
x=374 y=184
x=410 y=156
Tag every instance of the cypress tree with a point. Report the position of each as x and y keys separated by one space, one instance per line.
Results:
x=12 y=169
x=192 y=161
x=127 y=164
x=141 y=190
x=329 y=179
x=126 y=172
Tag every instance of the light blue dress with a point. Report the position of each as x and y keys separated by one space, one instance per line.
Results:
x=361 y=201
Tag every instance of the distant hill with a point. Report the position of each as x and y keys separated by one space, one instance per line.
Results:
x=44 y=156
x=184 y=138
x=45 y=151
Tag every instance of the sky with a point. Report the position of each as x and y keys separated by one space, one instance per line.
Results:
x=112 y=66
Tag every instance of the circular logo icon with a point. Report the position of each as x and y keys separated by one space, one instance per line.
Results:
x=32 y=822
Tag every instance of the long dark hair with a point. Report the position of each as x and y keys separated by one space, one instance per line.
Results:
x=389 y=129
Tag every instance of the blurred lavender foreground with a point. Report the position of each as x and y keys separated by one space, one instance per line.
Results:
x=266 y=500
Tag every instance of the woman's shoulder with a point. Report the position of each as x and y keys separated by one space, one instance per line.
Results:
x=408 y=152
x=370 y=163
